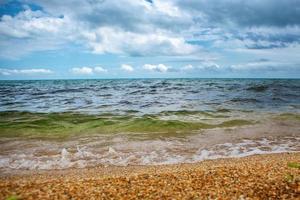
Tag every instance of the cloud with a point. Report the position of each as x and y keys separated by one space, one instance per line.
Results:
x=154 y=28
x=87 y=70
x=127 y=68
x=245 y=13
x=176 y=29
x=211 y=66
x=259 y=67
x=82 y=70
x=187 y=67
x=99 y=69
x=110 y=40
x=40 y=71
x=156 y=68
x=263 y=65
x=208 y=66
x=30 y=24
x=256 y=24
x=161 y=14
x=31 y=31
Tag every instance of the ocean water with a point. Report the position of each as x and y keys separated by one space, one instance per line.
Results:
x=59 y=124
x=149 y=95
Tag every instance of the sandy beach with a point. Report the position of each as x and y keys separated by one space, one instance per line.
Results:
x=254 y=177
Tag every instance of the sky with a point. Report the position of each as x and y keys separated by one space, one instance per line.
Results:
x=70 y=39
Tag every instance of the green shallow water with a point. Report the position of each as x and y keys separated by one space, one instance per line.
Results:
x=288 y=116
x=64 y=125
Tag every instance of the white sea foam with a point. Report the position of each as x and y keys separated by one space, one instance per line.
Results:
x=146 y=153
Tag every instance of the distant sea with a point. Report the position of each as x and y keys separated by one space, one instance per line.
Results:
x=54 y=124
x=149 y=95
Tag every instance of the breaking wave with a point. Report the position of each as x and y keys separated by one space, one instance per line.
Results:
x=149 y=153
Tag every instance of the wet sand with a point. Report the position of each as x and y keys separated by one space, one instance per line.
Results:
x=253 y=177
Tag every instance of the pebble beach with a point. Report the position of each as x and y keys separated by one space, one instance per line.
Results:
x=149 y=99
x=254 y=177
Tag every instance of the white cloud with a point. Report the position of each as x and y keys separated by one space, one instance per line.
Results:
x=209 y=66
x=204 y=66
x=263 y=65
x=127 y=68
x=99 y=69
x=82 y=70
x=167 y=7
x=187 y=67
x=153 y=30
x=157 y=28
x=112 y=40
x=88 y=70
x=31 y=31
x=30 y=23
x=157 y=68
x=39 y=71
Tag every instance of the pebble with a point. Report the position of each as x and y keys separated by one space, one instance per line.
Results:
x=253 y=177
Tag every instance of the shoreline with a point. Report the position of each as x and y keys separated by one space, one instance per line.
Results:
x=125 y=149
x=257 y=176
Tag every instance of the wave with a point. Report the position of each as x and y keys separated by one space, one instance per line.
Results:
x=63 y=125
x=245 y=100
x=153 y=153
x=258 y=88
x=168 y=123
x=47 y=96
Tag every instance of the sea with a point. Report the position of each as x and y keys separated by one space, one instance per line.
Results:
x=62 y=124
